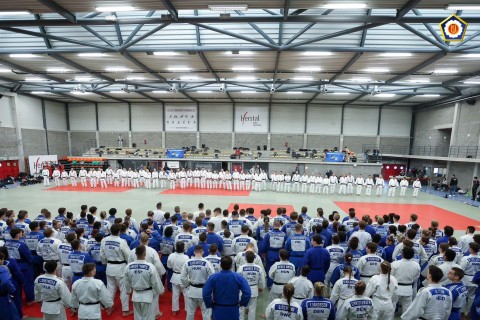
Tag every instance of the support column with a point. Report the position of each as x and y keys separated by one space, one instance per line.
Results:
x=130 y=139
x=44 y=118
x=233 y=140
x=69 y=137
x=97 y=138
x=305 y=138
x=269 y=139
x=18 y=131
x=456 y=119
x=340 y=147
x=163 y=140
x=198 y=139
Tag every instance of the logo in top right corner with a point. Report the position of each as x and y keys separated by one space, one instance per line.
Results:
x=453 y=28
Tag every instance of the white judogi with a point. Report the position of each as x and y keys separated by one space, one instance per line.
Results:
x=379 y=183
x=175 y=262
x=392 y=186
x=87 y=295
x=432 y=302
x=114 y=252
x=240 y=243
x=382 y=294
x=73 y=177
x=64 y=250
x=333 y=183
x=363 y=237
x=304 y=181
x=155 y=176
x=303 y=288
x=255 y=276
x=109 y=173
x=46 y=177
x=142 y=278
x=359 y=182
x=403 y=187
x=406 y=271
x=103 y=180
x=417 y=185
x=342 y=290
x=325 y=184
x=296 y=182
x=287 y=179
x=343 y=185
x=54 y=295
x=56 y=177
x=83 y=177
x=240 y=260
x=64 y=176
x=195 y=273
x=368 y=186
x=281 y=272
x=311 y=180
x=369 y=266
x=350 y=181
x=359 y=307
x=279 y=307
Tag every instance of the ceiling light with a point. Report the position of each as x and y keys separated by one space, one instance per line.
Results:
x=116 y=69
x=83 y=79
x=33 y=79
x=396 y=54
x=111 y=17
x=385 y=95
x=471 y=55
x=115 y=8
x=165 y=53
x=242 y=53
x=445 y=71
x=135 y=78
x=309 y=69
x=377 y=70
x=174 y=69
x=204 y=91
x=189 y=77
x=456 y=7
x=352 y=5
x=249 y=91
x=40 y=92
x=92 y=54
x=244 y=68
x=471 y=82
x=361 y=79
x=245 y=78
x=4 y=70
x=228 y=7
x=317 y=53
x=303 y=78
x=22 y=55
x=294 y=92
x=160 y=91
x=13 y=13
x=428 y=95
x=78 y=92
x=341 y=93
x=419 y=80
x=57 y=69
x=119 y=92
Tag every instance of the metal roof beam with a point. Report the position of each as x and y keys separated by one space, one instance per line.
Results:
x=138 y=28
x=430 y=29
x=355 y=99
x=260 y=31
x=132 y=59
x=286 y=8
x=407 y=7
x=238 y=36
x=143 y=36
x=171 y=9
x=91 y=15
x=423 y=36
x=98 y=36
x=334 y=35
x=79 y=67
x=364 y=32
x=110 y=97
x=418 y=67
x=462 y=78
x=27 y=70
x=473 y=36
x=347 y=66
x=118 y=31
x=59 y=9
x=149 y=97
x=44 y=32
x=73 y=97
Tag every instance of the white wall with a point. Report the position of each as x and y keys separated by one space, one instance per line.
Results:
x=55 y=116
x=82 y=117
x=29 y=112
x=396 y=122
x=113 y=117
x=147 y=117
x=216 y=117
x=253 y=110
x=287 y=118
x=324 y=119
x=360 y=121
x=6 y=116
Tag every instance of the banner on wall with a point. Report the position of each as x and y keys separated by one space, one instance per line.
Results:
x=36 y=163
x=176 y=153
x=181 y=118
x=251 y=119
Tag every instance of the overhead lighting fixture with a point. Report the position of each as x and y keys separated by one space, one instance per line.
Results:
x=377 y=70
x=92 y=54
x=174 y=69
x=428 y=95
x=241 y=53
x=309 y=69
x=464 y=7
x=41 y=92
x=443 y=71
x=385 y=95
x=55 y=69
x=111 y=17
x=165 y=53
x=135 y=78
x=248 y=92
x=189 y=77
x=471 y=82
x=160 y=91
x=419 y=80
x=294 y=92
x=35 y=79
x=361 y=79
x=86 y=79
x=4 y=70
x=119 y=92
x=303 y=78
x=115 y=8
x=243 y=68
x=246 y=78
x=22 y=55
x=204 y=91
x=228 y=7
x=14 y=13
x=116 y=69
x=396 y=54
x=77 y=92
x=351 y=5
x=317 y=53
x=471 y=55
x=341 y=93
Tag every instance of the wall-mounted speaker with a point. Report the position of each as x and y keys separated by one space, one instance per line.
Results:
x=471 y=102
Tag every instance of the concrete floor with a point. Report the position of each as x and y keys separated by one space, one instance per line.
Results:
x=33 y=198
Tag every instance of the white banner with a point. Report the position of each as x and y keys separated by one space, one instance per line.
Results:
x=36 y=163
x=251 y=119
x=181 y=118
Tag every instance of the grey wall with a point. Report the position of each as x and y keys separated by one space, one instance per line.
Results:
x=109 y=139
x=79 y=140
x=277 y=141
x=468 y=131
x=394 y=141
x=154 y=139
x=180 y=139
x=216 y=140
x=58 y=143
x=321 y=142
x=425 y=133
x=8 y=144
x=464 y=173
x=34 y=142
x=250 y=140
x=355 y=143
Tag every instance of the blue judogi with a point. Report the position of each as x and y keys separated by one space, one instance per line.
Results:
x=338 y=272
x=191 y=251
x=213 y=238
x=94 y=252
x=77 y=259
x=296 y=246
x=271 y=244
x=289 y=228
x=318 y=259
x=17 y=281
x=19 y=251
x=313 y=307
x=221 y=293
x=459 y=298
x=31 y=240
x=9 y=310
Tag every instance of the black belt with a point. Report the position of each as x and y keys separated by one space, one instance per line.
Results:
x=117 y=262
x=422 y=318
x=200 y=285
x=278 y=283
x=176 y=272
x=253 y=285
x=298 y=298
x=364 y=276
x=50 y=260
x=78 y=274
x=66 y=264
x=90 y=303
x=146 y=289
x=56 y=300
x=406 y=284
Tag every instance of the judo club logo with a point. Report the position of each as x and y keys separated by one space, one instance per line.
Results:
x=245 y=118
x=453 y=28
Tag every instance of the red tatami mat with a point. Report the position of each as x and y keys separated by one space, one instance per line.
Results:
x=88 y=189
x=426 y=213
x=260 y=206
x=207 y=192
x=165 y=307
